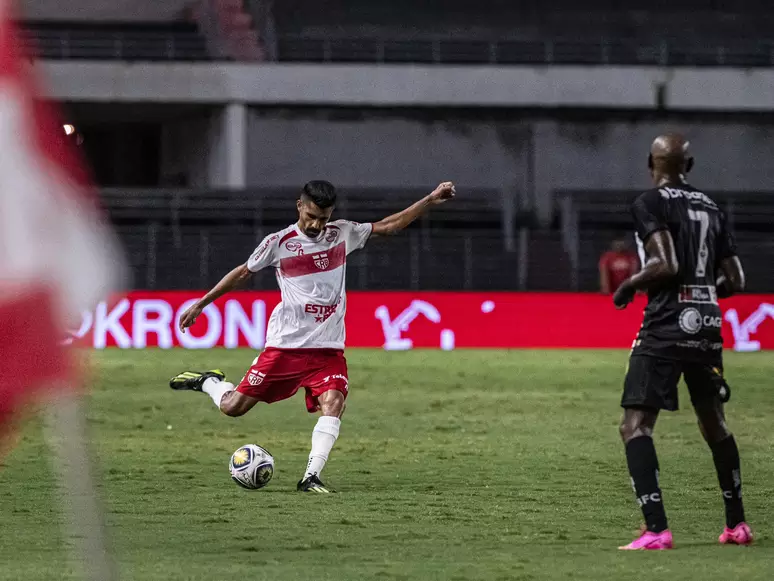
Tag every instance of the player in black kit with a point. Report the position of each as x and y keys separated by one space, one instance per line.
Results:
x=689 y=261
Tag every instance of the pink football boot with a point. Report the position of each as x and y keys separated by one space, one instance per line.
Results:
x=741 y=534
x=650 y=542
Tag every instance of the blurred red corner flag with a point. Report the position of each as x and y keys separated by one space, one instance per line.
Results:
x=57 y=256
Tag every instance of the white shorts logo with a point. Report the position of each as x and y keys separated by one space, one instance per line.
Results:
x=328 y=378
x=255 y=378
x=690 y=321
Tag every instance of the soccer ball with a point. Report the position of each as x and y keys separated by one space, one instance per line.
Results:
x=251 y=467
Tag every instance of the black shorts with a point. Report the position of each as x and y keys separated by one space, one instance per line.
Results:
x=651 y=382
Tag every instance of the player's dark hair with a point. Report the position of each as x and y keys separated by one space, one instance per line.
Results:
x=322 y=193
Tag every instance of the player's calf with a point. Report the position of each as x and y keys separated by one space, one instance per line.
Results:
x=324 y=436
x=636 y=431
x=725 y=455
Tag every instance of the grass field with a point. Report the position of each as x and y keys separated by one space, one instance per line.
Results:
x=450 y=466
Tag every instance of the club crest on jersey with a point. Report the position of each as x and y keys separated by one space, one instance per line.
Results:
x=321 y=260
x=255 y=378
x=690 y=321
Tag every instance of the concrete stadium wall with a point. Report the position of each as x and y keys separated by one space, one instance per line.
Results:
x=384 y=152
x=528 y=159
x=209 y=150
x=105 y=10
x=641 y=88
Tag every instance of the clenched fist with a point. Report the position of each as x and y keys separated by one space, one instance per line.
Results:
x=190 y=316
x=444 y=191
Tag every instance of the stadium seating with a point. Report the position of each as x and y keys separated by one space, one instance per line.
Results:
x=459 y=248
x=463 y=247
x=695 y=33
x=493 y=31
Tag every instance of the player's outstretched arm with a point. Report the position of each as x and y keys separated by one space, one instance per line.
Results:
x=397 y=222
x=660 y=267
x=231 y=281
x=731 y=279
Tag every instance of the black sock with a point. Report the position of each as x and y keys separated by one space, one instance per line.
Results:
x=643 y=467
x=726 y=456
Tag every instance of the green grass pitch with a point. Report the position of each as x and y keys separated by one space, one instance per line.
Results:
x=490 y=465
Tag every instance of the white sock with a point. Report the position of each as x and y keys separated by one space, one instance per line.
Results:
x=323 y=438
x=216 y=389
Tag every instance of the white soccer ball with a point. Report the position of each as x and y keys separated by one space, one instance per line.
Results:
x=251 y=467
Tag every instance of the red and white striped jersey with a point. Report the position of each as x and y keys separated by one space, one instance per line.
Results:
x=311 y=274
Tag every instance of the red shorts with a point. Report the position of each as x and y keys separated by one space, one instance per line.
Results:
x=277 y=374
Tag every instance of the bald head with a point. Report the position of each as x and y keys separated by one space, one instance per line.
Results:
x=670 y=157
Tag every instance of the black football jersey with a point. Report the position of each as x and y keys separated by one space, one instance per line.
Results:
x=683 y=319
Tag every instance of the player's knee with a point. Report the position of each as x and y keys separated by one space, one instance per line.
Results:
x=629 y=431
x=335 y=409
x=333 y=403
x=634 y=426
x=232 y=408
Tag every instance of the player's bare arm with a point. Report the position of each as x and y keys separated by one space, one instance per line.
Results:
x=659 y=268
x=732 y=278
x=397 y=222
x=233 y=280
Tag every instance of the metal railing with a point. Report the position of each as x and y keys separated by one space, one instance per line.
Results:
x=162 y=256
x=158 y=44
x=605 y=51
x=116 y=44
x=177 y=239
x=185 y=239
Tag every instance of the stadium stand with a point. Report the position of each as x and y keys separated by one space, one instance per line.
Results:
x=179 y=41
x=180 y=30
x=170 y=236
x=160 y=226
x=453 y=31
x=493 y=31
